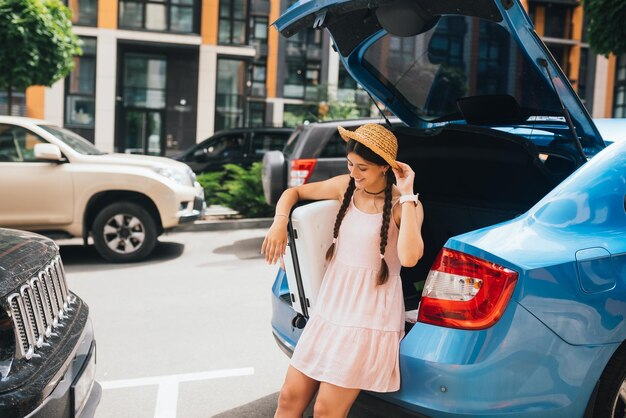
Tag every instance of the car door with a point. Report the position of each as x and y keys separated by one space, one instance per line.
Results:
x=32 y=193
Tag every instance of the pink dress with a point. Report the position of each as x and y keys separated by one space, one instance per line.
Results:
x=353 y=337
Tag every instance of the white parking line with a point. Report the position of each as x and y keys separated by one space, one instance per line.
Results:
x=167 y=395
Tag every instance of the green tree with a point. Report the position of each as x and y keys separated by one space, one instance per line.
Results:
x=607 y=30
x=37 y=45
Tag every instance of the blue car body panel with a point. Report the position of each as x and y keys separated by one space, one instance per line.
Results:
x=566 y=317
x=570 y=251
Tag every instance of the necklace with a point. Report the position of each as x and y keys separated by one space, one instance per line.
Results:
x=374 y=194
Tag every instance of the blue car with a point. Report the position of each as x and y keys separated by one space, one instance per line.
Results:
x=520 y=297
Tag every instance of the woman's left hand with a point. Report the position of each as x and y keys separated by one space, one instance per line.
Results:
x=405 y=176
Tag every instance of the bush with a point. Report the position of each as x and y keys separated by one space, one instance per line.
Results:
x=237 y=188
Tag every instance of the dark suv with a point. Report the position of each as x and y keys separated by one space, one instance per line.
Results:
x=241 y=146
x=47 y=346
x=314 y=152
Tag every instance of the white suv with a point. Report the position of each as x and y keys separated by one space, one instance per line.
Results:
x=59 y=184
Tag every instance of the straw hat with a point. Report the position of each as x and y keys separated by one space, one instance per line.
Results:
x=377 y=138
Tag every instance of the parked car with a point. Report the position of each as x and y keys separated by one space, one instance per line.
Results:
x=47 y=345
x=57 y=183
x=241 y=146
x=314 y=152
x=521 y=292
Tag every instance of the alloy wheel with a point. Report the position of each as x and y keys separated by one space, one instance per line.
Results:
x=124 y=233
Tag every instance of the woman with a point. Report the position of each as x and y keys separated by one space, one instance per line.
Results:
x=351 y=342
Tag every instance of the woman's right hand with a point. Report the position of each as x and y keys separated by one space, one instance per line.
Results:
x=275 y=241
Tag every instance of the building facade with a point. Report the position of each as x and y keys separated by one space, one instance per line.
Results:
x=157 y=76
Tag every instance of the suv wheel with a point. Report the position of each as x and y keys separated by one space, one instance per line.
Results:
x=124 y=232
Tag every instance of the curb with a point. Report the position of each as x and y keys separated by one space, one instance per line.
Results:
x=224 y=225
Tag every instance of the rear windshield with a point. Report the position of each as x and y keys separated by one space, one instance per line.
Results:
x=459 y=57
x=291 y=142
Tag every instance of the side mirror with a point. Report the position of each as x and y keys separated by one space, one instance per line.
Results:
x=200 y=155
x=48 y=152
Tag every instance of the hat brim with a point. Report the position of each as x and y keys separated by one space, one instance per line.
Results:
x=347 y=135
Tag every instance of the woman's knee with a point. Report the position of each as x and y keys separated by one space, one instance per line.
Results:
x=288 y=397
x=322 y=408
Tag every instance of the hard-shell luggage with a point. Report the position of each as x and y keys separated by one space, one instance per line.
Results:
x=310 y=236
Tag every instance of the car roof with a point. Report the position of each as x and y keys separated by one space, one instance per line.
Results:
x=23 y=120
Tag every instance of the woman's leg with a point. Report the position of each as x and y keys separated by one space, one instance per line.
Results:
x=334 y=401
x=296 y=394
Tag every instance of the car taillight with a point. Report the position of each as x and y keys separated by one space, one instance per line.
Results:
x=300 y=171
x=466 y=292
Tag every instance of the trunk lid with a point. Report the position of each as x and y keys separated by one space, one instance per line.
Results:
x=432 y=63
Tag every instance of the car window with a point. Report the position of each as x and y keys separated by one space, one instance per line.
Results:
x=17 y=144
x=335 y=148
x=263 y=142
x=291 y=142
x=227 y=146
x=73 y=140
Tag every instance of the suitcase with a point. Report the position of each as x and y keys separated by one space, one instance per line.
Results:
x=310 y=235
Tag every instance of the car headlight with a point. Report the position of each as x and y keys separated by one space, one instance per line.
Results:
x=178 y=176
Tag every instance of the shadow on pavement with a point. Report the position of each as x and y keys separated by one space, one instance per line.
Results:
x=266 y=406
x=77 y=255
x=245 y=249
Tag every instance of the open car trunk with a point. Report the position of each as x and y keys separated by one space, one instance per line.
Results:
x=468 y=177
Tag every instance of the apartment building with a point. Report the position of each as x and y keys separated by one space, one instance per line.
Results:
x=157 y=76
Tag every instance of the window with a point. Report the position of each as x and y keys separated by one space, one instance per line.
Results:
x=260 y=25
x=229 y=146
x=302 y=80
x=558 y=21
x=84 y=12
x=256 y=113
x=263 y=142
x=232 y=22
x=619 y=102
x=295 y=114
x=18 y=103
x=335 y=148
x=145 y=81
x=80 y=88
x=229 y=109
x=258 y=79
x=159 y=15
x=17 y=144
x=586 y=77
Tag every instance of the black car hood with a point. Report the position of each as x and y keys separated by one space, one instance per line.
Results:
x=22 y=255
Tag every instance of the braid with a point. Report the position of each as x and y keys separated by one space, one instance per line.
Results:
x=383 y=274
x=342 y=211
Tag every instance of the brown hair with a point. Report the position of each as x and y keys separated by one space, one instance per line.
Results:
x=367 y=154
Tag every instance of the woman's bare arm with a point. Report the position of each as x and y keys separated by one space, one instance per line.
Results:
x=276 y=238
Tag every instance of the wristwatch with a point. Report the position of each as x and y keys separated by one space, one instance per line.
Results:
x=409 y=198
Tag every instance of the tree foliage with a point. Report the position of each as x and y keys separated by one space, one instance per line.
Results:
x=37 y=45
x=607 y=27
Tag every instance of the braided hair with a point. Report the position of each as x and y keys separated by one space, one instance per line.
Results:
x=369 y=155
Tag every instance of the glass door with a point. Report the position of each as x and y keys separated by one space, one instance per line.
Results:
x=144 y=83
x=143 y=131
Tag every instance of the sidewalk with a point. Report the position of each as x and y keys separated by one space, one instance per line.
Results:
x=220 y=218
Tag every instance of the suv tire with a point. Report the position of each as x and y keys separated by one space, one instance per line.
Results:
x=124 y=232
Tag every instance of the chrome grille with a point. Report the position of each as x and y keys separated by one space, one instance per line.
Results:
x=42 y=303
